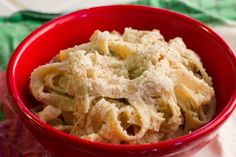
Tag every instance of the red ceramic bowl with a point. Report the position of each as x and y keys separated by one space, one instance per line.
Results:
x=75 y=28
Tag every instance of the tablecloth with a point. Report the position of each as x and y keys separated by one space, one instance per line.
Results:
x=16 y=140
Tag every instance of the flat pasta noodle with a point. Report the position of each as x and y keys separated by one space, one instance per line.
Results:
x=129 y=88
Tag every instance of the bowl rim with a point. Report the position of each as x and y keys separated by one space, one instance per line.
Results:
x=182 y=140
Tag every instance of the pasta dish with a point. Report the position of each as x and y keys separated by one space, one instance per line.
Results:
x=129 y=88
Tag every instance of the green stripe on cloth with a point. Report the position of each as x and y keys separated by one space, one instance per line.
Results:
x=15 y=28
x=2 y=116
x=211 y=12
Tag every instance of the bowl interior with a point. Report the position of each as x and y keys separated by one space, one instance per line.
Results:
x=77 y=27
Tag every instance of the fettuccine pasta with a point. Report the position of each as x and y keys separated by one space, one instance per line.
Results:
x=129 y=88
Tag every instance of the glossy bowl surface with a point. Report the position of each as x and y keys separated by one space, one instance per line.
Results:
x=75 y=28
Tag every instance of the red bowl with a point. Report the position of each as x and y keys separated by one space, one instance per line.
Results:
x=75 y=28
